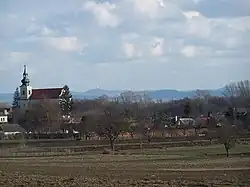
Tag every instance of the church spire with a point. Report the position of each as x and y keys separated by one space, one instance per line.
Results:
x=25 y=81
x=24 y=70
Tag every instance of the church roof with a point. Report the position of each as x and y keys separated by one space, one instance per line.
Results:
x=4 y=106
x=48 y=93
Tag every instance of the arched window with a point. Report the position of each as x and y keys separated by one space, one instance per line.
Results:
x=23 y=92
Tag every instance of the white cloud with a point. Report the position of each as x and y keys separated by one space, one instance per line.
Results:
x=103 y=12
x=232 y=42
x=39 y=30
x=241 y=24
x=197 y=1
x=193 y=51
x=124 y=36
x=189 y=51
x=47 y=31
x=157 y=47
x=18 y=56
x=11 y=59
x=156 y=9
x=191 y=14
x=66 y=44
x=12 y=16
x=197 y=25
x=130 y=50
x=144 y=47
x=149 y=8
x=130 y=36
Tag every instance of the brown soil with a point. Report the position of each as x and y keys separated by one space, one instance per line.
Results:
x=123 y=170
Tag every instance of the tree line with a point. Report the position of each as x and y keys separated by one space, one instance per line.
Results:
x=134 y=113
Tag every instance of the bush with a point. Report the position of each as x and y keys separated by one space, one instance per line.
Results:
x=106 y=151
x=13 y=137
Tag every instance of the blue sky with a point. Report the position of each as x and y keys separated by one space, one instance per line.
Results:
x=124 y=44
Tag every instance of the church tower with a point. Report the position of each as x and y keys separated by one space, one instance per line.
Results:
x=25 y=90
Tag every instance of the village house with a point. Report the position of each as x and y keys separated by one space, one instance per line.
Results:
x=11 y=131
x=8 y=130
x=3 y=117
x=5 y=110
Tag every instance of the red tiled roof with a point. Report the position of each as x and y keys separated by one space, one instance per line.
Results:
x=48 y=93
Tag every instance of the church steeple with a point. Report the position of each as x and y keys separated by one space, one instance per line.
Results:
x=25 y=91
x=25 y=81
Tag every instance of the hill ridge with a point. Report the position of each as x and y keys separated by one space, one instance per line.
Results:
x=161 y=94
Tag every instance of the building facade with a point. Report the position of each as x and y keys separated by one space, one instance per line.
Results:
x=3 y=118
x=4 y=113
x=29 y=96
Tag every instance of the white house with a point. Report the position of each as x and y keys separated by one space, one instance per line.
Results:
x=3 y=118
x=186 y=122
x=4 y=112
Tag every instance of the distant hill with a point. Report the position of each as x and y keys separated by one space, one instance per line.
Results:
x=95 y=93
x=175 y=94
x=165 y=94
x=6 y=98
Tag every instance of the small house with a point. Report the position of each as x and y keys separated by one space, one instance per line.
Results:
x=4 y=112
x=11 y=131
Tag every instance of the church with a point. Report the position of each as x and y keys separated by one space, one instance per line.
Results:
x=29 y=96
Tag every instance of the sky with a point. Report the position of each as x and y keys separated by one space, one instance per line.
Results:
x=124 y=44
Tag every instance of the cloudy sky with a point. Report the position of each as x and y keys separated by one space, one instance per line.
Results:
x=124 y=44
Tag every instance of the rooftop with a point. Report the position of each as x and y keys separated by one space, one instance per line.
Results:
x=6 y=127
x=47 y=93
x=4 y=106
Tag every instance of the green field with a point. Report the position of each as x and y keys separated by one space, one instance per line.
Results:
x=172 y=166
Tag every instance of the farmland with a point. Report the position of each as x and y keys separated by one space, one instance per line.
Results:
x=155 y=165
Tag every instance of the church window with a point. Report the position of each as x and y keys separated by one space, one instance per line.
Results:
x=23 y=92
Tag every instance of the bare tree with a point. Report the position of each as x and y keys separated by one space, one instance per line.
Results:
x=227 y=134
x=87 y=123
x=202 y=97
x=83 y=128
x=112 y=122
x=244 y=88
x=127 y=97
x=148 y=122
x=237 y=91
x=187 y=109
x=145 y=121
x=146 y=99
x=140 y=120
x=137 y=113
x=231 y=90
x=135 y=97
x=203 y=94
